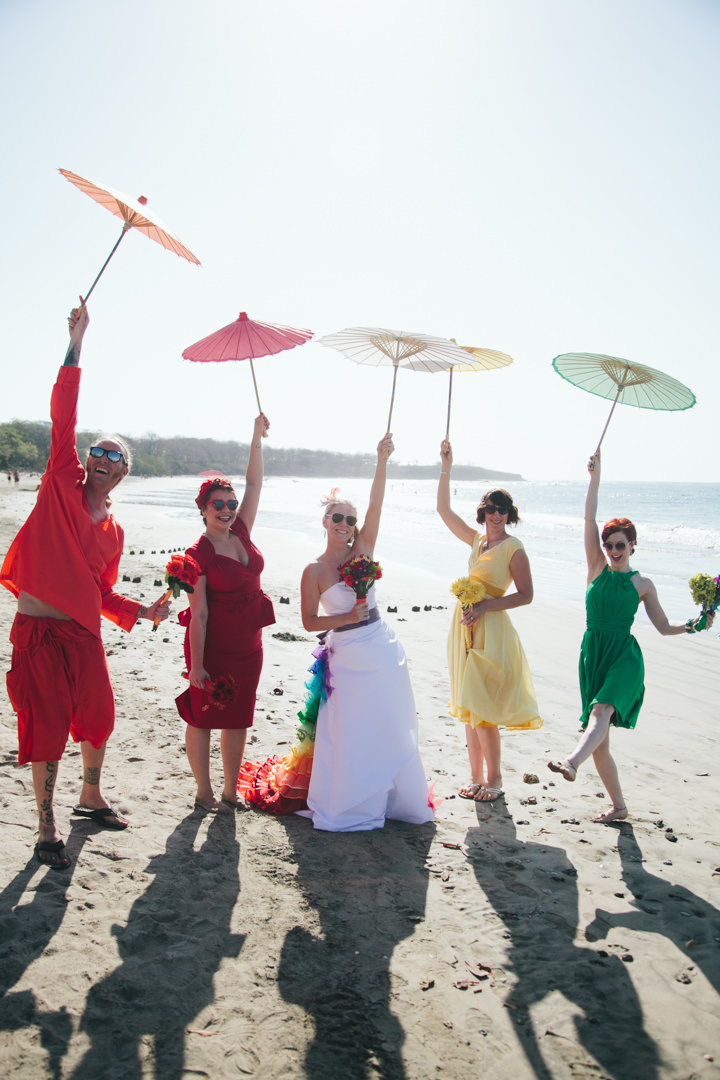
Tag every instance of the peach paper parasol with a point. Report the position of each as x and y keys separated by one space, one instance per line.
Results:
x=134 y=215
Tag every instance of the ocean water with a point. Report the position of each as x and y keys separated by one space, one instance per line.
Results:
x=678 y=526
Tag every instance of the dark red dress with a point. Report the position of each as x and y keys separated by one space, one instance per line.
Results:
x=237 y=611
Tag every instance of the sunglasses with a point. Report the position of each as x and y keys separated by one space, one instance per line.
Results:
x=618 y=547
x=218 y=504
x=496 y=510
x=351 y=520
x=113 y=455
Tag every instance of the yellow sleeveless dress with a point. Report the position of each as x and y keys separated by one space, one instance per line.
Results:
x=491 y=685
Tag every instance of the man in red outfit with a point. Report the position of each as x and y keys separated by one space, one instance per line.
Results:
x=62 y=567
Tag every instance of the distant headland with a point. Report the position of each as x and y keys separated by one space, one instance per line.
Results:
x=25 y=445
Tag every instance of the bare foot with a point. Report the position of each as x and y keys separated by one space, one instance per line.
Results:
x=210 y=806
x=618 y=813
x=568 y=771
x=229 y=806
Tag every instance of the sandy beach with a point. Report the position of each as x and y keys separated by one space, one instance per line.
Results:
x=509 y=940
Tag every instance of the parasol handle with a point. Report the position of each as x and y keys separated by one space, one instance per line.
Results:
x=392 y=398
x=617 y=398
x=257 y=396
x=125 y=228
x=447 y=428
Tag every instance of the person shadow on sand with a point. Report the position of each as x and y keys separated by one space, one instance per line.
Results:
x=533 y=889
x=177 y=934
x=663 y=908
x=369 y=895
x=26 y=931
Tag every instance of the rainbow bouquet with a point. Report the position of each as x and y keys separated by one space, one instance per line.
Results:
x=181 y=573
x=360 y=573
x=469 y=592
x=705 y=592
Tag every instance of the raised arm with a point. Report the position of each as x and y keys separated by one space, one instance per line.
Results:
x=365 y=542
x=454 y=522
x=78 y=320
x=593 y=548
x=254 y=474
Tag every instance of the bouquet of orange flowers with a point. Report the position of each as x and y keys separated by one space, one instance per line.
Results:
x=468 y=592
x=360 y=573
x=181 y=572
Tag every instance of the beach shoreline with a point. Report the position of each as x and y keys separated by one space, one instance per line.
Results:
x=516 y=938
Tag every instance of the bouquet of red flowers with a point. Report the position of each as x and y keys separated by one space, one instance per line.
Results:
x=360 y=573
x=181 y=572
x=221 y=691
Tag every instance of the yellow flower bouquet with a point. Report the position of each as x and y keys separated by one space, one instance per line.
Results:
x=469 y=592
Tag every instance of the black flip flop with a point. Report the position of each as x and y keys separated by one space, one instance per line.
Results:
x=50 y=847
x=105 y=816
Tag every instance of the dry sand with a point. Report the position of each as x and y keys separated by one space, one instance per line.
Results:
x=509 y=940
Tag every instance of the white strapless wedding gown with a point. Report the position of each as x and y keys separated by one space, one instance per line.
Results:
x=366 y=765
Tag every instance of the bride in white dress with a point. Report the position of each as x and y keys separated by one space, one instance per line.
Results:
x=366 y=765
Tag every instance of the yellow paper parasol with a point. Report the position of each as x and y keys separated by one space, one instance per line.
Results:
x=478 y=360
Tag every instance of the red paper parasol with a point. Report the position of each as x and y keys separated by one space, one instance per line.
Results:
x=134 y=215
x=246 y=339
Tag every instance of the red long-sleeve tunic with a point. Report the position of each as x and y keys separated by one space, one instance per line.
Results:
x=59 y=556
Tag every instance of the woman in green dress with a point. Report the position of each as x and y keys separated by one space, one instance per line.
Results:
x=611 y=663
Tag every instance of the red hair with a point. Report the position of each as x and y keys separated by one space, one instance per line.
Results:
x=623 y=525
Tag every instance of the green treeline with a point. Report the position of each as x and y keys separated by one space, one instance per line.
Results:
x=25 y=445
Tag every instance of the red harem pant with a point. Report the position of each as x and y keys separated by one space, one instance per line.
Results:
x=59 y=683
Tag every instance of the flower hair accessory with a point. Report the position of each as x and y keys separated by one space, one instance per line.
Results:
x=331 y=498
x=207 y=486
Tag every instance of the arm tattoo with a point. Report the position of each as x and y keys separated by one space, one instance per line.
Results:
x=72 y=356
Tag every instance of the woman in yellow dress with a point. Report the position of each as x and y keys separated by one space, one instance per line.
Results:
x=490 y=682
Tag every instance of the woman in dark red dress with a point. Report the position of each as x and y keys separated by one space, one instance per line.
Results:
x=223 y=636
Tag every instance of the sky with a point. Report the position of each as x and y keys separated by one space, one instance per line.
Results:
x=532 y=176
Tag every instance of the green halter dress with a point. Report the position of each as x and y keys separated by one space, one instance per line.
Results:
x=611 y=663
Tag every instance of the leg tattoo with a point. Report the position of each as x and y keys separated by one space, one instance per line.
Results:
x=91 y=776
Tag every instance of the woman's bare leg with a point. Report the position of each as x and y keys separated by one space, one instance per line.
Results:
x=489 y=738
x=607 y=771
x=475 y=755
x=596 y=731
x=197 y=745
x=232 y=747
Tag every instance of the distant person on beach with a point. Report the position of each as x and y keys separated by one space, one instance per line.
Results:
x=490 y=682
x=9 y=474
x=17 y=477
x=366 y=765
x=62 y=566
x=223 y=635
x=611 y=663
